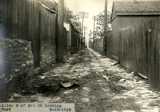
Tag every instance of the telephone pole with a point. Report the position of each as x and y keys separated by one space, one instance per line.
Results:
x=94 y=25
x=106 y=15
x=105 y=28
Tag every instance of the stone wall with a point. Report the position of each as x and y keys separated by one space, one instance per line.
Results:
x=15 y=56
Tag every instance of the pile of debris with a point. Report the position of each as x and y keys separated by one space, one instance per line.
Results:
x=46 y=83
x=48 y=55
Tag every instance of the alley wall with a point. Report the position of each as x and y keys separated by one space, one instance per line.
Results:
x=37 y=21
x=135 y=44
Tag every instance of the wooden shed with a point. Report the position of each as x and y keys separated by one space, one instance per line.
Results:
x=135 y=40
x=76 y=38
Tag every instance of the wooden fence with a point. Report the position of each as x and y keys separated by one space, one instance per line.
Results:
x=136 y=45
x=36 y=21
x=76 y=40
x=98 y=45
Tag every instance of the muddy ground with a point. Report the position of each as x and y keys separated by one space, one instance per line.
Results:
x=96 y=84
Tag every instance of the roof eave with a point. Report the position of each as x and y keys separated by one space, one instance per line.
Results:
x=137 y=14
x=133 y=14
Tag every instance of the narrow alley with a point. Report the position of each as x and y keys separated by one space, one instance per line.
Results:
x=80 y=55
x=96 y=84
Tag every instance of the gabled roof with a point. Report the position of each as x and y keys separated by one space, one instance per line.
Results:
x=136 y=7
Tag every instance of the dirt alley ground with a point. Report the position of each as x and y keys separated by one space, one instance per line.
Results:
x=103 y=87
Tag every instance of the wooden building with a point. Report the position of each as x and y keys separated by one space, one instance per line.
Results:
x=35 y=21
x=42 y=23
x=135 y=40
x=76 y=39
x=99 y=45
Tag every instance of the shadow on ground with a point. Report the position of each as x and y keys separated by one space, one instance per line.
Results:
x=95 y=84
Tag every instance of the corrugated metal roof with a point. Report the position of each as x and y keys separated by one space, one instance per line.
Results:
x=136 y=7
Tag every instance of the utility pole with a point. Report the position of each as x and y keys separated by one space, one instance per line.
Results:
x=105 y=28
x=94 y=25
x=60 y=45
x=85 y=42
x=83 y=23
x=83 y=16
x=106 y=14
